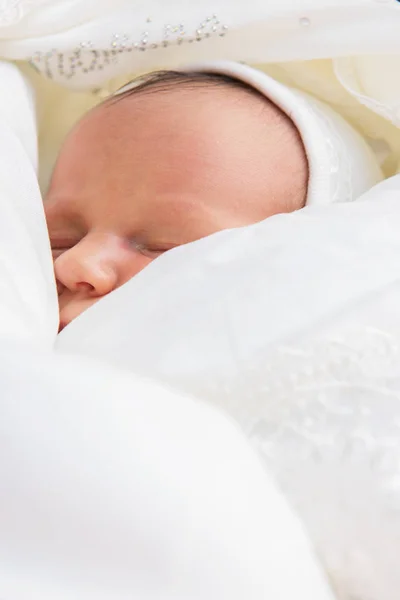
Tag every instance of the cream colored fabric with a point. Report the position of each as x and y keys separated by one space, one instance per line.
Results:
x=330 y=81
x=290 y=325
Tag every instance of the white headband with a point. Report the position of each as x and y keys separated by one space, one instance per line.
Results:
x=342 y=166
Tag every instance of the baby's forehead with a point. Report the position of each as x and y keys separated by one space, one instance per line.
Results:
x=178 y=109
x=170 y=134
x=182 y=128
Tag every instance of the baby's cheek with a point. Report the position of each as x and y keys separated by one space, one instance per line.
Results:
x=135 y=263
x=60 y=287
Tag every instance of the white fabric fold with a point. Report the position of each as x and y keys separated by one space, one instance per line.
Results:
x=28 y=298
x=258 y=32
x=114 y=488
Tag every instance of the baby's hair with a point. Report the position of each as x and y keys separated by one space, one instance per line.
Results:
x=165 y=80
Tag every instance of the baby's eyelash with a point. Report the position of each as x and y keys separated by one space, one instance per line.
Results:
x=138 y=246
x=148 y=249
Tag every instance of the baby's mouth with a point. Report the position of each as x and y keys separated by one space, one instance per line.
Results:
x=62 y=325
x=72 y=306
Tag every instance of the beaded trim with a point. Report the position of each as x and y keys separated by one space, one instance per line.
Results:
x=85 y=58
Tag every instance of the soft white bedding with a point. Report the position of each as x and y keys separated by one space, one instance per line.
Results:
x=112 y=487
x=28 y=300
x=292 y=326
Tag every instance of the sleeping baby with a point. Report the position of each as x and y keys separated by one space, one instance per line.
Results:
x=173 y=157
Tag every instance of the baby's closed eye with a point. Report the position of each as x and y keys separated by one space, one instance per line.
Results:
x=149 y=249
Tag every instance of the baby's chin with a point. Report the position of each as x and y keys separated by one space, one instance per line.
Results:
x=71 y=309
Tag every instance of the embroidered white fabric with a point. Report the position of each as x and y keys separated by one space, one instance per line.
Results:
x=325 y=415
x=140 y=36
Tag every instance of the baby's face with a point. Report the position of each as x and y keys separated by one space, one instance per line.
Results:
x=145 y=174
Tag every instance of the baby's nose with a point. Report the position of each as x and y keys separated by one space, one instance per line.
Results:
x=91 y=266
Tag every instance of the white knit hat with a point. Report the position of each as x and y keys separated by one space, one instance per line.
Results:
x=341 y=164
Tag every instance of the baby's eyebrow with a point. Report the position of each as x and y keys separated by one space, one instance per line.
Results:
x=63 y=216
x=65 y=206
x=62 y=225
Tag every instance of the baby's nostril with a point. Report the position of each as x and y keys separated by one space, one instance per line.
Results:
x=83 y=285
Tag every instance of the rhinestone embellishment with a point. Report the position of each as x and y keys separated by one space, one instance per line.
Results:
x=84 y=59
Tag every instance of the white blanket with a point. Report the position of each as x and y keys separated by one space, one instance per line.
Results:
x=112 y=488
x=293 y=326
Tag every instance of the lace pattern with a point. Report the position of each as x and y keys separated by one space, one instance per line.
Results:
x=325 y=417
